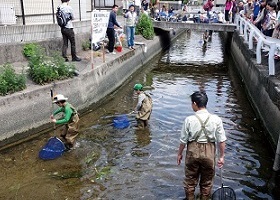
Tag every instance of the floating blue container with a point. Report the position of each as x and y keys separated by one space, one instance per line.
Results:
x=121 y=122
x=53 y=149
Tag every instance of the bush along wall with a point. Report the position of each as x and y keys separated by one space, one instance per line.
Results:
x=145 y=27
x=45 y=69
x=11 y=82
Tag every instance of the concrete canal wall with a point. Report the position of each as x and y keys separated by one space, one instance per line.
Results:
x=263 y=90
x=27 y=112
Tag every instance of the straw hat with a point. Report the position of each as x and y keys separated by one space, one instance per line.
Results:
x=58 y=98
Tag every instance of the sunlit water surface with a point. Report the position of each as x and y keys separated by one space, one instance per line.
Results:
x=111 y=163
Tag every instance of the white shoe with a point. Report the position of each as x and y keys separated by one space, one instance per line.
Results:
x=113 y=53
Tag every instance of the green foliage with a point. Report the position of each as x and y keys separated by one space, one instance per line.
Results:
x=86 y=45
x=44 y=69
x=30 y=49
x=145 y=27
x=11 y=82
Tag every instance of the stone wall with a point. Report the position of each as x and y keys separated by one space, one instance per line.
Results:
x=263 y=90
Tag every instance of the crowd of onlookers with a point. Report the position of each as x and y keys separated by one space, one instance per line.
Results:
x=262 y=13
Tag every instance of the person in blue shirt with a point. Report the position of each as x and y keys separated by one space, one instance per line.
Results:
x=110 y=29
x=256 y=10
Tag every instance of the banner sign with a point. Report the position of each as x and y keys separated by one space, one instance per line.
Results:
x=99 y=23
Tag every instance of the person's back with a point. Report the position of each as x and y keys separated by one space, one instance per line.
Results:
x=65 y=8
x=68 y=33
x=200 y=133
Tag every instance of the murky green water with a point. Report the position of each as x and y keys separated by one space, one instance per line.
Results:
x=111 y=163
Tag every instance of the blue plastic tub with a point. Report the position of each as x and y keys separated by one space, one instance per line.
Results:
x=121 y=122
x=53 y=149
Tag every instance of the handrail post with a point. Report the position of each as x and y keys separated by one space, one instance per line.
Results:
x=251 y=36
x=246 y=33
x=241 y=27
x=258 y=51
x=271 y=62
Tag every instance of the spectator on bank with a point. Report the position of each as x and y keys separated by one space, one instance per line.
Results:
x=111 y=28
x=144 y=5
x=68 y=32
x=208 y=7
x=276 y=33
x=142 y=11
x=228 y=10
x=137 y=4
x=278 y=6
x=131 y=20
x=234 y=10
x=240 y=6
x=256 y=10
x=260 y=18
x=221 y=17
x=185 y=8
x=248 y=10
x=270 y=19
x=163 y=12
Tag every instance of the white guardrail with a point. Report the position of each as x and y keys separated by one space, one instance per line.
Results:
x=251 y=33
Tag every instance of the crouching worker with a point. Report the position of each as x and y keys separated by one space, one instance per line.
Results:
x=69 y=118
x=143 y=108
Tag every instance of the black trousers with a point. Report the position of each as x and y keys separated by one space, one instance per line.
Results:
x=68 y=35
x=111 y=36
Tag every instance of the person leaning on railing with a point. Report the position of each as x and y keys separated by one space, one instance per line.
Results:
x=270 y=19
x=258 y=22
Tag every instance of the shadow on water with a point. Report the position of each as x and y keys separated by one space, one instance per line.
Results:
x=110 y=163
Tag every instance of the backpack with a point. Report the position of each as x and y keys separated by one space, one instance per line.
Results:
x=61 y=18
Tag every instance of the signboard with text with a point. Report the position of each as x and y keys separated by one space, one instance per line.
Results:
x=99 y=23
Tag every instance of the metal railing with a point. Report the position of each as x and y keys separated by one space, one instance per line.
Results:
x=252 y=34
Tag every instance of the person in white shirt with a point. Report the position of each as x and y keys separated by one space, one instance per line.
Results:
x=130 y=23
x=201 y=133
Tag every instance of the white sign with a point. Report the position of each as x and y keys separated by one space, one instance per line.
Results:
x=99 y=23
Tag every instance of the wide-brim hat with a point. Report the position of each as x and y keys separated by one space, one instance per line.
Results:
x=58 y=98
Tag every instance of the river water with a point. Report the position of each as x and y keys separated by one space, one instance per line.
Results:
x=110 y=163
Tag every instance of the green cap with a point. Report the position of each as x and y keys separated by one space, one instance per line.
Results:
x=138 y=86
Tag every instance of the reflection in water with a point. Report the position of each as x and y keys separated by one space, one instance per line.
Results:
x=111 y=163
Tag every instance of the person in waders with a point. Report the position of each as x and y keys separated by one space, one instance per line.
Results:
x=143 y=108
x=201 y=133
x=69 y=119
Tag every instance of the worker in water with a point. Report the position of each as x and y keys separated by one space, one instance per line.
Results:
x=143 y=108
x=69 y=119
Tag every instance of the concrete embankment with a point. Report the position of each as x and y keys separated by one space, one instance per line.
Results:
x=27 y=112
x=263 y=90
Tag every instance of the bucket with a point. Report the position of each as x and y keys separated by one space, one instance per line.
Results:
x=52 y=150
x=121 y=122
x=119 y=48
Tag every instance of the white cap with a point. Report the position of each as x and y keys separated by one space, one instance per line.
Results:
x=58 y=98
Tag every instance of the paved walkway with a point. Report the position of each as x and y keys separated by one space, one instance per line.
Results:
x=84 y=66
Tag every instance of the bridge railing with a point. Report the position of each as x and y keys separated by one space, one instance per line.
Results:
x=252 y=34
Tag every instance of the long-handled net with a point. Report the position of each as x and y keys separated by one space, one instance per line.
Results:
x=224 y=192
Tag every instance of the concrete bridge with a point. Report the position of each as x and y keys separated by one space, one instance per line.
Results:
x=195 y=26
